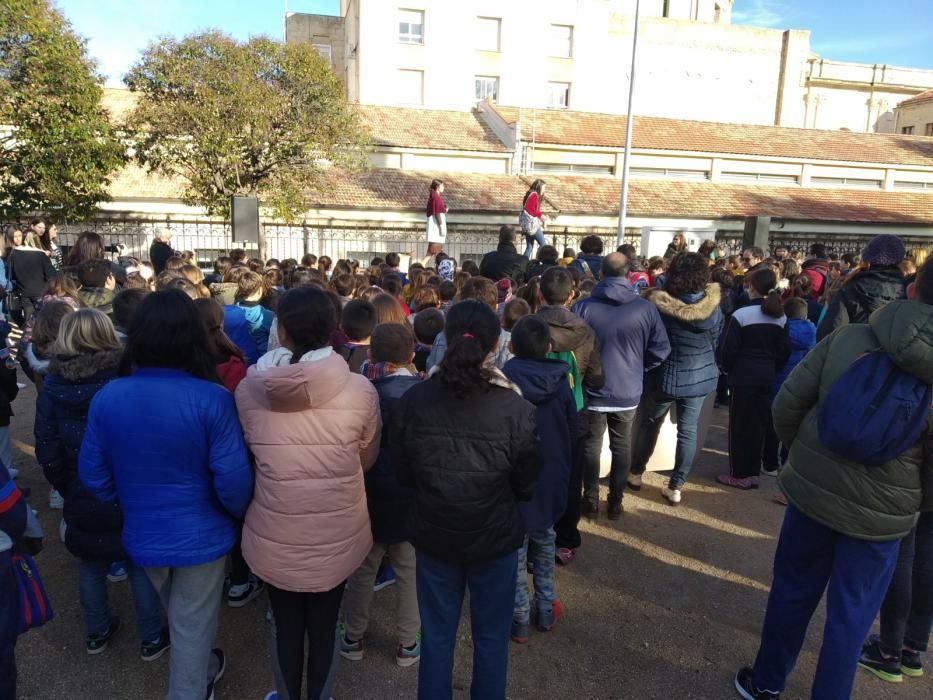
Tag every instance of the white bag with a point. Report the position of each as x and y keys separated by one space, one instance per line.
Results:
x=437 y=234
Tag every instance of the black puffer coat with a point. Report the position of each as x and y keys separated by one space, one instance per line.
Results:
x=470 y=462
x=860 y=296
x=504 y=262
x=93 y=528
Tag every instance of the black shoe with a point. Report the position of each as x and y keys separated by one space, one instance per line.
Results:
x=875 y=662
x=217 y=676
x=615 y=510
x=151 y=651
x=588 y=509
x=98 y=643
x=746 y=688
x=912 y=663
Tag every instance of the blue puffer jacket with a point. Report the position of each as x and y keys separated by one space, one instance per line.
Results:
x=632 y=340
x=693 y=326
x=94 y=526
x=170 y=449
x=802 y=335
x=389 y=502
x=237 y=326
x=544 y=383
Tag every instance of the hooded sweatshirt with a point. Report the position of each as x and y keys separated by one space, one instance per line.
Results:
x=544 y=384
x=569 y=333
x=632 y=341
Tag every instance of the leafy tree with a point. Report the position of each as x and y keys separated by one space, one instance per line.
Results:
x=57 y=146
x=242 y=118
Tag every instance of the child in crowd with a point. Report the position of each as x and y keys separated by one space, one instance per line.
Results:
x=125 y=304
x=428 y=325
x=392 y=285
x=84 y=359
x=358 y=321
x=13 y=514
x=228 y=358
x=8 y=392
x=314 y=429
x=466 y=526
x=544 y=383
x=97 y=285
x=479 y=289
x=447 y=291
x=514 y=310
x=388 y=309
x=390 y=506
x=250 y=291
x=752 y=349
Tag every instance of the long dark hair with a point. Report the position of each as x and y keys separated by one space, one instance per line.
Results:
x=88 y=246
x=435 y=184
x=167 y=331
x=763 y=280
x=688 y=274
x=221 y=347
x=309 y=319
x=535 y=187
x=472 y=331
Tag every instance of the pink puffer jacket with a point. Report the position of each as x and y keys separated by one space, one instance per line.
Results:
x=313 y=428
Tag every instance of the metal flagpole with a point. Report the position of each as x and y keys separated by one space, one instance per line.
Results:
x=623 y=195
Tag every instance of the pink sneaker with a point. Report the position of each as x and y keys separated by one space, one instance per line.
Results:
x=565 y=555
x=745 y=484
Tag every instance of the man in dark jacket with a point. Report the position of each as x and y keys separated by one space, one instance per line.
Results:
x=570 y=334
x=505 y=261
x=867 y=290
x=632 y=341
x=160 y=250
x=590 y=260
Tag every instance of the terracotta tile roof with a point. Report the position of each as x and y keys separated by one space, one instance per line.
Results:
x=562 y=127
x=917 y=99
x=430 y=128
x=397 y=189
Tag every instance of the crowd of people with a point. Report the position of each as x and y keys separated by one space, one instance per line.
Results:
x=441 y=426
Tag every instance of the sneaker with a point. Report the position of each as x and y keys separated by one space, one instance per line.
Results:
x=220 y=673
x=912 y=663
x=243 y=593
x=62 y=530
x=154 y=650
x=769 y=472
x=271 y=695
x=745 y=484
x=519 y=632
x=547 y=619
x=565 y=555
x=408 y=656
x=385 y=577
x=634 y=482
x=875 y=662
x=98 y=643
x=615 y=510
x=746 y=688
x=14 y=472
x=673 y=495
x=350 y=650
x=117 y=572
x=56 y=500
x=590 y=510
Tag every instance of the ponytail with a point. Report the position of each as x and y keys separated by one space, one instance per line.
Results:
x=309 y=319
x=772 y=305
x=764 y=282
x=472 y=332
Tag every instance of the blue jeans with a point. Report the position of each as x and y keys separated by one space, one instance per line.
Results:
x=654 y=412
x=92 y=581
x=810 y=555
x=539 y=546
x=620 y=444
x=531 y=240
x=441 y=586
x=907 y=611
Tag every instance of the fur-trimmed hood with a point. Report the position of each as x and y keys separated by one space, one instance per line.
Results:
x=76 y=369
x=682 y=311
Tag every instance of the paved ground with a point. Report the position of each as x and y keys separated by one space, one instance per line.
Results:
x=665 y=604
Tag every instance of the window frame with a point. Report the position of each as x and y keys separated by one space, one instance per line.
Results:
x=498 y=20
x=417 y=71
x=401 y=37
x=907 y=130
x=550 y=92
x=328 y=54
x=928 y=129
x=495 y=79
x=569 y=53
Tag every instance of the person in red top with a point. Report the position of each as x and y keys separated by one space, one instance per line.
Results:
x=532 y=220
x=437 y=218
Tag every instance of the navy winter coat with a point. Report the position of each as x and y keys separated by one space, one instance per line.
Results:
x=753 y=347
x=544 y=384
x=94 y=526
x=632 y=340
x=237 y=326
x=693 y=328
x=169 y=447
x=593 y=262
x=389 y=502
x=802 y=334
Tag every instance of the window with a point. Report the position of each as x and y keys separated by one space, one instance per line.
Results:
x=558 y=95
x=410 y=87
x=860 y=183
x=573 y=168
x=928 y=130
x=910 y=185
x=488 y=33
x=907 y=130
x=561 y=40
x=487 y=86
x=760 y=177
x=669 y=174
x=411 y=26
x=325 y=51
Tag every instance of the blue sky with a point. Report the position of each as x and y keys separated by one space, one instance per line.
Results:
x=897 y=32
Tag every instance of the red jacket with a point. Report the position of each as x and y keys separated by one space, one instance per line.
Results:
x=533 y=205
x=232 y=372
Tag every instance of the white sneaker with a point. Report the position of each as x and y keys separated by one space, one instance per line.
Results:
x=673 y=495
x=634 y=481
x=14 y=472
x=62 y=529
x=56 y=500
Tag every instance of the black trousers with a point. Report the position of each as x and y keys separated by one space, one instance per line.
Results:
x=568 y=534
x=299 y=616
x=749 y=420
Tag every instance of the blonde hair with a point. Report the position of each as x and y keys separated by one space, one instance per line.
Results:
x=918 y=255
x=83 y=332
x=31 y=239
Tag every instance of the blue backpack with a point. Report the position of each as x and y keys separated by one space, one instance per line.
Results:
x=875 y=411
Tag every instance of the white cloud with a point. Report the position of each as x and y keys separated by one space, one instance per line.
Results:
x=760 y=13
